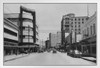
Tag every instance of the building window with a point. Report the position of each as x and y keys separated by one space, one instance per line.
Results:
x=75 y=22
x=10 y=32
x=67 y=18
x=82 y=22
x=82 y=19
x=78 y=22
x=71 y=19
x=72 y=23
x=79 y=19
x=67 y=22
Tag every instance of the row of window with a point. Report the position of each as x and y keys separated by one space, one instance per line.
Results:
x=10 y=43
x=77 y=22
x=89 y=30
x=10 y=32
x=79 y=19
x=78 y=31
x=75 y=26
x=74 y=22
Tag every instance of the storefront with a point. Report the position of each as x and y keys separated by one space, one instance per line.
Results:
x=10 y=50
x=88 y=46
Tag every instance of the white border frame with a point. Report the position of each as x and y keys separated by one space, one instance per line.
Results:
x=49 y=1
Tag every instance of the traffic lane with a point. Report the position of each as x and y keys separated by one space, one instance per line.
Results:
x=53 y=59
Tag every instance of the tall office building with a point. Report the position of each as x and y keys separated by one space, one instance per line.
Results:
x=70 y=23
x=55 y=39
x=28 y=28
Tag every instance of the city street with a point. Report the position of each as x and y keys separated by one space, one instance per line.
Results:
x=42 y=59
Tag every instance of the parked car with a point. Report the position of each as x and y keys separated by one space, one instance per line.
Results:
x=77 y=54
x=74 y=53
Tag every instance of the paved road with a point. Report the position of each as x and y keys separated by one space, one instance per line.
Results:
x=39 y=59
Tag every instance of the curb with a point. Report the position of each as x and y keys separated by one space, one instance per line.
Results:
x=89 y=60
x=15 y=58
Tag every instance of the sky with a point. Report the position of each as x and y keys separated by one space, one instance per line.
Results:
x=49 y=16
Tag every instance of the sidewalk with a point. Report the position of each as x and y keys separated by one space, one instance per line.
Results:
x=92 y=59
x=13 y=57
x=89 y=59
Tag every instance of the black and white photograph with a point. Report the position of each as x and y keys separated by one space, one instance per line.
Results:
x=50 y=34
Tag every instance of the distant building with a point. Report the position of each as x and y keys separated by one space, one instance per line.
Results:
x=89 y=34
x=55 y=39
x=71 y=23
x=47 y=44
x=58 y=38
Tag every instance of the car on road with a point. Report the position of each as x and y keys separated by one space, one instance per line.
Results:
x=77 y=54
x=74 y=53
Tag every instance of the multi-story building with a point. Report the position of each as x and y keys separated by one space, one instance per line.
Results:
x=55 y=39
x=58 y=38
x=65 y=24
x=70 y=23
x=47 y=44
x=20 y=29
x=10 y=36
x=28 y=28
x=89 y=34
